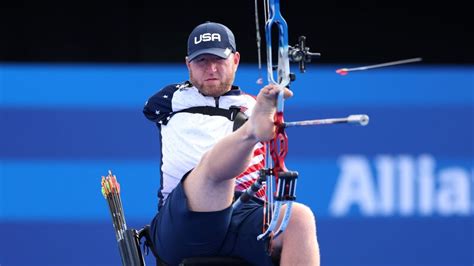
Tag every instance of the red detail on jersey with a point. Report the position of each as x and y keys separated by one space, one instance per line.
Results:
x=253 y=169
x=261 y=193
x=257 y=166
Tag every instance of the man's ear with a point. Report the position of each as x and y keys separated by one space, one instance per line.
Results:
x=236 y=58
x=186 y=60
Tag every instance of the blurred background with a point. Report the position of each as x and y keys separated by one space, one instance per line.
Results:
x=74 y=77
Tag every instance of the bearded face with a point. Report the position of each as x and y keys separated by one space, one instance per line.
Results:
x=212 y=75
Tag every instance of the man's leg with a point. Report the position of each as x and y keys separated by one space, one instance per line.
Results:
x=298 y=243
x=181 y=233
x=210 y=186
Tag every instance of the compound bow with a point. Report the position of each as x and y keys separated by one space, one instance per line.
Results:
x=279 y=182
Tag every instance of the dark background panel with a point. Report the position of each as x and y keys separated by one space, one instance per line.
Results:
x=156 y=31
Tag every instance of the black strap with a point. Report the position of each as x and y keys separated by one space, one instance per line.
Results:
x=209 y=110
x=233 y=113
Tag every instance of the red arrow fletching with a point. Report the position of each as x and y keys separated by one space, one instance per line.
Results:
x=342 y=71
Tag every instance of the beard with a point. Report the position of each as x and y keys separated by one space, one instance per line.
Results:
x=214 y=90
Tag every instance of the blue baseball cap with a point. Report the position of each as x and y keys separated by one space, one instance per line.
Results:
x=211 y=38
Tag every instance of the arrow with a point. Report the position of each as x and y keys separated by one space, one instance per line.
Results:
x=345 y=71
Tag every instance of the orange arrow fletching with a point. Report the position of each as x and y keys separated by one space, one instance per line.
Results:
x=115 y=184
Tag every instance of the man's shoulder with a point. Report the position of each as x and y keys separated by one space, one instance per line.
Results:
x=159 y=106
x=171 y=89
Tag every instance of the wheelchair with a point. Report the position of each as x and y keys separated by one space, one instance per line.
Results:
x=131 y=252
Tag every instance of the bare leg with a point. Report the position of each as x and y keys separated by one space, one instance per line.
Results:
x=298 y=243
x=210 y=186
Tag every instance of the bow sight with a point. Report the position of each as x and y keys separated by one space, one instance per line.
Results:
x=300 y=54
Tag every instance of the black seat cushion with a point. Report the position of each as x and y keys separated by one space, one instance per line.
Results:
x=224 y=261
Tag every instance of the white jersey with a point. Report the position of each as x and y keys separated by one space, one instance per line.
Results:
x=186 y=136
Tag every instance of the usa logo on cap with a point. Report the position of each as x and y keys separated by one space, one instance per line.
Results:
x=211 y=38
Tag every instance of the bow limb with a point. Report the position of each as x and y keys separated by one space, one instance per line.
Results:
x=283 y=67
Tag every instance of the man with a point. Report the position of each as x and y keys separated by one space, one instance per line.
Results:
x=186 y=132
x=196 y=216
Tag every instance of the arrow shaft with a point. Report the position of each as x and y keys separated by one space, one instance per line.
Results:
x=399 y=62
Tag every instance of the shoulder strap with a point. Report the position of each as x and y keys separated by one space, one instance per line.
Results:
x=233 y=113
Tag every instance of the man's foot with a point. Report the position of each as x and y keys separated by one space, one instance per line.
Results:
x=262 y=118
